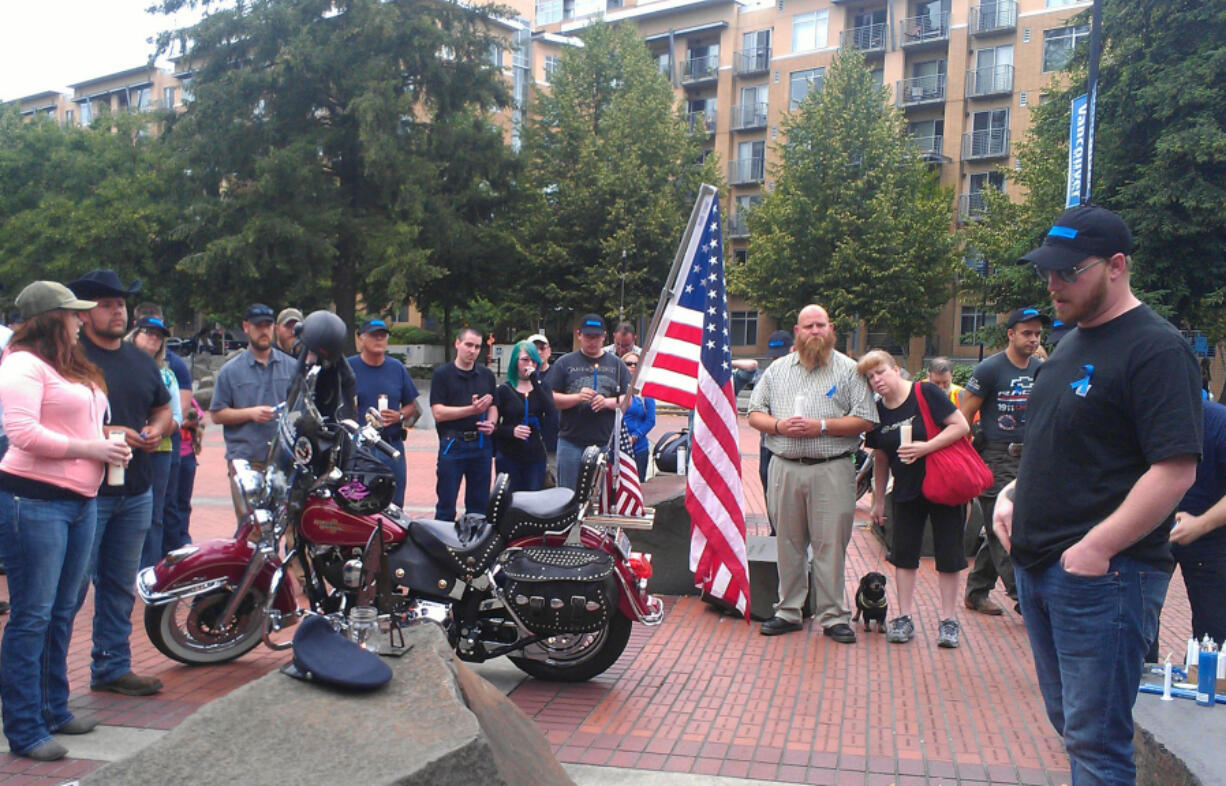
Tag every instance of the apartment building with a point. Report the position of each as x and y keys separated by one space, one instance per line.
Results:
x=964 y=72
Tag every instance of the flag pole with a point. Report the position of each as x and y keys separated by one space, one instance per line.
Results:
x=705 y=191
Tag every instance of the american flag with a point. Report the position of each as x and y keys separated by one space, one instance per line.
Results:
x=689 y=363
x=623 y=494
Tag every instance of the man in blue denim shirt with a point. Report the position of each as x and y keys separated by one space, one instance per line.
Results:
x=1113 y=438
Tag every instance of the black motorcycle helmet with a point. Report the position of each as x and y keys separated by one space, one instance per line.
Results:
x=324 y=334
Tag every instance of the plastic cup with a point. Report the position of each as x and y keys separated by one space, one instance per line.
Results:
x=382 y=403
x=114 y=472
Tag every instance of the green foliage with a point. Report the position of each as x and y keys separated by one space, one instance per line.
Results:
x=856 y=222
x=1159 y=159
x=73 y=199
x=610 y=167
x=411 y=334
x=321 y=147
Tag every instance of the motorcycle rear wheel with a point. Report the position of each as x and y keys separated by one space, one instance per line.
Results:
x=187 y=631
x=577 y=657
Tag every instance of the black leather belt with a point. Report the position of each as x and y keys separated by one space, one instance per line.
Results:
x=463 y=436
x=1014 y=449
x=807 y=460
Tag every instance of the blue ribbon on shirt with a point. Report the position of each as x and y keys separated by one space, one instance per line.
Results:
x=1082 y=386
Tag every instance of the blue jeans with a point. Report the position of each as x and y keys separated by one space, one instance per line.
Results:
x=45 y=545
x=1089 y=636
x=459 y=460
x=152 y=551
x=569 y=457
x=640 y=460
x=179 y=535
x=122 y=525
x=170 y=507
x=1204 y=574
x=396 y=465
x=525 y=476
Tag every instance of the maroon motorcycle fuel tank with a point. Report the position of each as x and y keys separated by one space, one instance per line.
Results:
x=325 y=523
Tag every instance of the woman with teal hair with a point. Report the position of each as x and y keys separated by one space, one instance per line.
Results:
x=523 y=403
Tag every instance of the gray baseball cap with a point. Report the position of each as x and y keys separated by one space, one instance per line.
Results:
x=43 y=296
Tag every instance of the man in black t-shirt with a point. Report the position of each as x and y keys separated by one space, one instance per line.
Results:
x=462 y=402
x=587 y=387
x=1113 y=437
x=998 y=389
x=140 y=408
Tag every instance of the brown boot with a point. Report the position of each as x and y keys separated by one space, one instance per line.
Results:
x=982 y=605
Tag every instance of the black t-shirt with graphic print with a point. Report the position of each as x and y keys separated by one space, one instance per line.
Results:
x=1004 y=389
x=908 y=478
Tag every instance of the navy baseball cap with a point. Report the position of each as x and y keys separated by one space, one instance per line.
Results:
x=1025 y=315
x=1058 y=331
x=153 y=323
x=779 y=344
x=258 y=313
x=323 y=655
x=373 y=326
x=1081 y=232
x=591 y=325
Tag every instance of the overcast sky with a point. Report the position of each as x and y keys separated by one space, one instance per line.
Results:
x=50 y=44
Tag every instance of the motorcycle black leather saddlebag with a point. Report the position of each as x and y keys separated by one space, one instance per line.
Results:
x=561 y=589
x=367 y=485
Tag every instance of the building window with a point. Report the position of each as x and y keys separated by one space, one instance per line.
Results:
x=809 y=31
x=187 y=94
x=801 y=83
x=69 y=116
x=1058 y=45
x=495 y=55
x=744 y=328
x=551 y=67
x=86 y=113
x=740 y=256
x=548 y=11
x=664 y=64
x=878 y=76
x=140 y=99
x=168 y=97
x=972 y=320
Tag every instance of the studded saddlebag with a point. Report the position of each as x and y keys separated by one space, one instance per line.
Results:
x=561 y=589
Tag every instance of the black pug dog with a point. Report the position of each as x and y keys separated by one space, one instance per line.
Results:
x=871 y=601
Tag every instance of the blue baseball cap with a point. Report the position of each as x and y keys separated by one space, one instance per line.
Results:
x=591 y=325
x=153 y=323
x=779 y=344
x=258 y=313
x=373 y=326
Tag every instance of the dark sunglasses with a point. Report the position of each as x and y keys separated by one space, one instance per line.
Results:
x=1069 y=275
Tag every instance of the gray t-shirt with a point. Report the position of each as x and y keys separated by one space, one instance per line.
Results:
x=1005 y=389
x=245 y=382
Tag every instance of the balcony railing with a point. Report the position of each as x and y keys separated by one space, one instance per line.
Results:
x=993 y=17
x=927 y=146
x=869 y=39
x=973 y=206
x=738 y=226
x=749 y=116
x=921 y=90
x=700 y=69
x=988 y=81
x=985 y=144
x=926 y=29
x=703 y=120
x=756 y=60
x=744 y=171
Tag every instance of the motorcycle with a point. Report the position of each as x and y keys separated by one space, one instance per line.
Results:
x=531 y=578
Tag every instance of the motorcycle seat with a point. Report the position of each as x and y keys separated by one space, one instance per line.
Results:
x=467 y=547
x=534 y=513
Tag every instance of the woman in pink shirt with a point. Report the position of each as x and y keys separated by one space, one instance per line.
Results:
x=54 y=403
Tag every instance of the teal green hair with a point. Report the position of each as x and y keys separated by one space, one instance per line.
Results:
x=513 y=363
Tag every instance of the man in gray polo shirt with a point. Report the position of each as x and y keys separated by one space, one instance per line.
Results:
x=249 y=387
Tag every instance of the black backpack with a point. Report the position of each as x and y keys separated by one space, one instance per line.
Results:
x=666 y=449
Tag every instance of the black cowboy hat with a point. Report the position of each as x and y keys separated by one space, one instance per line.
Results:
x=102 y=283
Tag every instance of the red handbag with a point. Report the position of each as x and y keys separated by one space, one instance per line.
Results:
x=955 y=474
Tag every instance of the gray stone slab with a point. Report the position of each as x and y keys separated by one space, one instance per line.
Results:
x=1178 y=743
x=435 y=723
x=668 y=541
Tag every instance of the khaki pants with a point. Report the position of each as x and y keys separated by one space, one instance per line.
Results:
x=812 y=505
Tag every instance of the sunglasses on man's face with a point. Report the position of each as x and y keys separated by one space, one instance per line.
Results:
x=1069 y=275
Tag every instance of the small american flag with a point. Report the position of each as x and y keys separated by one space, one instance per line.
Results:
x=623 y=494
x=689 y=363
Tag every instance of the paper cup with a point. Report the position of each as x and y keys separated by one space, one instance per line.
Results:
x=114 y=472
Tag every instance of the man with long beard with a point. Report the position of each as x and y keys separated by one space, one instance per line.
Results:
x=1113 y=436
x=812 y=407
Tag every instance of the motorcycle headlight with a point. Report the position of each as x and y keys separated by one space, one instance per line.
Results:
x=248 y=485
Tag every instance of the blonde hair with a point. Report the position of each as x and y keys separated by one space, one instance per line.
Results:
x=874 y=358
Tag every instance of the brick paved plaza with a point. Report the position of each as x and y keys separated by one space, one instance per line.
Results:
x=702 y=693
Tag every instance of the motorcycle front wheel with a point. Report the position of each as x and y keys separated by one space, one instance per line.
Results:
x=576 y=657
x=189 y=630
